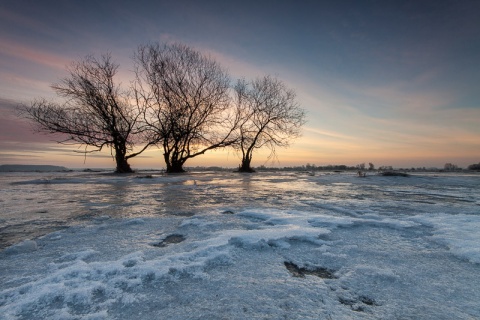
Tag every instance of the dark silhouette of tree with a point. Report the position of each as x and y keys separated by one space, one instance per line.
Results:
x=187 y=100
x=95 y=112
x=450 y=167
x=475 y=166
x=270 y=117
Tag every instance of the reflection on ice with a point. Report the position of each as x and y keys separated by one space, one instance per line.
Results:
x=214 y=246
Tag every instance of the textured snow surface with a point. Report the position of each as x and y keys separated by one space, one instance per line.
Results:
x=231 y=246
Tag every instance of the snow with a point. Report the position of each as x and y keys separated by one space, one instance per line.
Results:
x=22 y=247
x=369 y=248
x=461 y=233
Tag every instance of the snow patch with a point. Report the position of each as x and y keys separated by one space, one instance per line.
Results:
x=22 y=247
x=459 y=232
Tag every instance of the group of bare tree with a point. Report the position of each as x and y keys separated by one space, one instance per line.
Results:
x=181 y=101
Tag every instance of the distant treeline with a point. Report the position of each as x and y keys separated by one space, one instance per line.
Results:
x=340 y=167
x=475 y=167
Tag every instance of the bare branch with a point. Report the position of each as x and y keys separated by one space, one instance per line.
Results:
x=188 y=107
x=95 y=112
x=271 y=117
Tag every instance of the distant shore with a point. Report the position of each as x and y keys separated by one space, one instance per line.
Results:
x=30 y=168
x=307 y=168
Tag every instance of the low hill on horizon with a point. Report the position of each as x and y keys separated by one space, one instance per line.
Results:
x=30 y=168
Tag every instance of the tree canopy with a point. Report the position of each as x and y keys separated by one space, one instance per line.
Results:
x=187 y=102
x=181 y=101
x=270 y=117
x=94 y=112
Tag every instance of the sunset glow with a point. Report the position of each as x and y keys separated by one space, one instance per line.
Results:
x=395 y=83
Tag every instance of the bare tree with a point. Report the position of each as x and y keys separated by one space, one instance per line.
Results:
x=475 y=166
x=95 y=112
x=361 y=166
x=270 y=117
x=188 y=106
x=450 y=167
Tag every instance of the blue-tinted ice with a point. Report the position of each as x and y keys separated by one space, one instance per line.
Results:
x=216 y=246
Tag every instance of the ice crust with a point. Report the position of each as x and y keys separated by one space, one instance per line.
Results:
x=392 y=258
x=461 y=233
x=22 y=247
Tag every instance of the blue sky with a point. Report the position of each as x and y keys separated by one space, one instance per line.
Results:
x=389 y=82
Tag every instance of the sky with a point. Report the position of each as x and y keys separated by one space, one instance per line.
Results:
x=394 y=83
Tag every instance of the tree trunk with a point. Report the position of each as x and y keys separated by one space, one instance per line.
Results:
x=245 y=166
x=246 y=161
x=122 y=163
x=173 y=166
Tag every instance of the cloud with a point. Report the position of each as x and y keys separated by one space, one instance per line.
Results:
x=327 y=134
x=32 y=54
x=13 y=128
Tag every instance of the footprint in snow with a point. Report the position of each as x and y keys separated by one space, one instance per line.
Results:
x=358 y=303
x=173 y=238
x=299 y=272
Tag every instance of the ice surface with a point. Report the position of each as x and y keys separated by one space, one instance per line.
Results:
x=22 y=247
x=461 y=233
x=370 y=248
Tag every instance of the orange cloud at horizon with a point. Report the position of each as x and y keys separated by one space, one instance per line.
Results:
x=302 y=152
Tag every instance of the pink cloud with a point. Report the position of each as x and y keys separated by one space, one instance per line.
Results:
x=31 y=54
x=13 y=128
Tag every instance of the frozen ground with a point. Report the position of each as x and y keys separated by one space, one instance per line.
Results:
x=232 y=246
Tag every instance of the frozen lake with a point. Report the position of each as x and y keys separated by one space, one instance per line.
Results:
x=238 y=246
